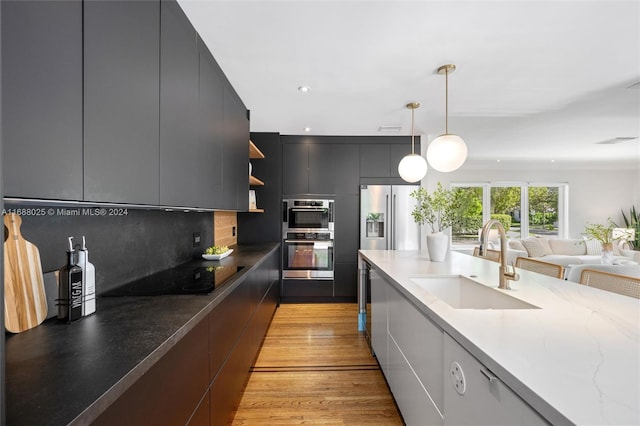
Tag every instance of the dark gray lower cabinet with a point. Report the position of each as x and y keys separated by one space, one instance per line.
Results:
x=346 y=282
x=201 y=379
x=121 y=101
x=169 y=392
x=42 y=99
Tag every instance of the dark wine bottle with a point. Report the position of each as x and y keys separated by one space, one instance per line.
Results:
x=70 y=288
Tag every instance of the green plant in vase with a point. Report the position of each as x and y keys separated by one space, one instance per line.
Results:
x=604 y=234
x=439 y=210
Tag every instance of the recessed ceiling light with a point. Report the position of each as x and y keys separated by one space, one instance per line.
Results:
x=553 y=161
x=307 y=129
x=497 y=161
x=304 y=89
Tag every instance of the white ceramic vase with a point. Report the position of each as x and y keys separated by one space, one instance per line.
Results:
x=438 y=246
x=607 y=253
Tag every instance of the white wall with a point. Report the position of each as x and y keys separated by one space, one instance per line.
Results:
x=594 y=195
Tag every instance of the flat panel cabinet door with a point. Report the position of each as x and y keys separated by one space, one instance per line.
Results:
x=484 y=401
x=182 y=164
x=235 y=176
x=210 y=124
x=421 y=343
x=412 y=400
x=346 y=228
x=374 y=160
x=321 y=169
x=42 y=99
x=345 y=281
x=295 y=168
x=346 y=161
x=379 y=335
x=121 y=101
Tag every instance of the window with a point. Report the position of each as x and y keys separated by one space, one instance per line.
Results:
x=524 y=209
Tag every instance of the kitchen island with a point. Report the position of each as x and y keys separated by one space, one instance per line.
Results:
x=140 y=357
x=570 y=354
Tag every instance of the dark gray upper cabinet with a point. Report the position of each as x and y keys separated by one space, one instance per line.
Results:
x=295 y=168
x=381 y=160
x=235 y=168
x=121 y=101
x=182 y=165
x=308 y=167
x=211 y=126
x=374 y=160
x=321 y=169
x=346 y=168
x=42 y=99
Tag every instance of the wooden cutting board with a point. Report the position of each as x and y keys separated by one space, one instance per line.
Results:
x=25 y=301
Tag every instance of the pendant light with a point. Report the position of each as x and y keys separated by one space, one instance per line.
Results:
x=412 y=167
x=447 y=152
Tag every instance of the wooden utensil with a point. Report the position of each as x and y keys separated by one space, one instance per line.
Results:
x=25 y=301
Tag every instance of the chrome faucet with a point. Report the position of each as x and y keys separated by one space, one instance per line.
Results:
x=505 y=274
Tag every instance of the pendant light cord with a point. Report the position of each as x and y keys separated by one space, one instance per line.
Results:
x=446 y=101
x=413 y=110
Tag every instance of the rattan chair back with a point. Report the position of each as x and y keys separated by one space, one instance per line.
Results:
x=541 y=267
x=621 y=284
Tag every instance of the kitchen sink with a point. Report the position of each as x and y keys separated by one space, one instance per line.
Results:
x=460 y=292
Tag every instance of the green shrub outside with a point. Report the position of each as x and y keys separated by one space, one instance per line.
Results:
x=504 y=219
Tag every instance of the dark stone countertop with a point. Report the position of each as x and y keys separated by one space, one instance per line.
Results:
x=58 y=374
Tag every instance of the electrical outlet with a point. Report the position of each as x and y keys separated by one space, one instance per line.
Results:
x=196 y=239
x=233 y=231
x=457 y=378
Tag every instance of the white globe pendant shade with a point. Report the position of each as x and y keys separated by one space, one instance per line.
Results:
x=447 y=153
x=412 y=168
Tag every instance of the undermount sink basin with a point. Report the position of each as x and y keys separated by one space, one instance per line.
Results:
x=463 y=293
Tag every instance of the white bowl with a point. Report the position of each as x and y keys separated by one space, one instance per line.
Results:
x=217 y=256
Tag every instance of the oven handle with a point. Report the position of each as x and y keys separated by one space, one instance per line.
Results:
x=329 y=243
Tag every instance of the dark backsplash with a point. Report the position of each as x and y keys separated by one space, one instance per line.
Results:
x=123 y=247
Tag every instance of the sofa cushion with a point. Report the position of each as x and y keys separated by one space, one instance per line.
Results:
x=546 y=245
x=568 y=247
x=516 y=245
x=593 y=246
x=534 y=247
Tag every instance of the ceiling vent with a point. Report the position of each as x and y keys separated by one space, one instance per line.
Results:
x=617 y=140
x=390 y=129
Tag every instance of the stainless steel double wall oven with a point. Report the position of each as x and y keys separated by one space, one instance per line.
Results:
x=307 y=228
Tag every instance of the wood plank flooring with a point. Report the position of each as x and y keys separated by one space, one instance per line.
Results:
x=315 y=368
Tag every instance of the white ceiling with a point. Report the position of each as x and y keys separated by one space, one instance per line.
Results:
x=536 y=80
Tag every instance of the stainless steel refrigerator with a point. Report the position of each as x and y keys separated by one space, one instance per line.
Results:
x=385 y=218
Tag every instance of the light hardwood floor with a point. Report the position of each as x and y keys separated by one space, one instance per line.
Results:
x=315 y=368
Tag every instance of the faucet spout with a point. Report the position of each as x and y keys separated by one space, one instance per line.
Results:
x=505 y=274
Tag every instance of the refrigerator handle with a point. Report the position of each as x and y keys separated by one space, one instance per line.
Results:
x=387 y=224
x=393 y=222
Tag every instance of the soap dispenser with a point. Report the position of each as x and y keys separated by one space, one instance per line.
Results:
x=88 y=280
x=70 y=288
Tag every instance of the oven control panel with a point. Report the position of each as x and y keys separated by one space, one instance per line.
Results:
x=309 y=236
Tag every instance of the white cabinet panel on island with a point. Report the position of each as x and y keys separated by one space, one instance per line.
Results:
x=480 y=398
x=379 y=333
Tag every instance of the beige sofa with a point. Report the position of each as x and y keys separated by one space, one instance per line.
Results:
x=563 y=252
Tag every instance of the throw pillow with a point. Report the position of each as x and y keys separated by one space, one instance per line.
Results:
x=546 y=245
x=572 y=247
x=516 y=245
x=594 y=247
x=534 y=247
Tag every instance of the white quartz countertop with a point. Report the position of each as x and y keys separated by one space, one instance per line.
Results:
x=574 y=360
